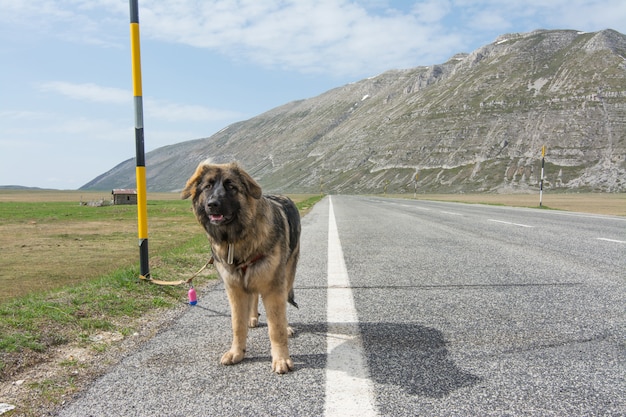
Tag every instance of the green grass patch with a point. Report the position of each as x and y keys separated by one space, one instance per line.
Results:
x=305 y=205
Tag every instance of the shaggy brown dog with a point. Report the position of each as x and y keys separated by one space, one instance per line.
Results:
x=255 y=241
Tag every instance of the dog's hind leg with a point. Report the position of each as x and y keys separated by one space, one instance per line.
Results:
x=253 y=321
x=291 y=299
x=239 y=306
x=291 y=275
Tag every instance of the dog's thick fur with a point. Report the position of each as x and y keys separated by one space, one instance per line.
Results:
x=263 y=234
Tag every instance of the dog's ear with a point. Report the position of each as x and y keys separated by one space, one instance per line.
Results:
x=253 y=187
x=193 y=182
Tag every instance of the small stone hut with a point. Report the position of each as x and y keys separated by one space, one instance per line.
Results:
x=124 y=196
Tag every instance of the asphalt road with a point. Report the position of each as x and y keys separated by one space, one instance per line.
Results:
x=450 y=309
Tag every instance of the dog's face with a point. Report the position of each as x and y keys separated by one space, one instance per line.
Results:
x=222 y=195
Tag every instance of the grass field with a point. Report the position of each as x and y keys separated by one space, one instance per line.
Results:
x=52 y=244
x=48 y=240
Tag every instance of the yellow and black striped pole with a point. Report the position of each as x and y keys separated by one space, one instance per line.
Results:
x=142 y=209
x=543 y=162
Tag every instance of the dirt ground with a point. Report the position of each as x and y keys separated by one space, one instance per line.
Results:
x=596 y=203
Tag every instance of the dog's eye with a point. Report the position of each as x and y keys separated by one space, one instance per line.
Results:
x=230 y=186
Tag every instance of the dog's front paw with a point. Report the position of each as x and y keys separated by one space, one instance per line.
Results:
x=282 y=365
x=231 y=358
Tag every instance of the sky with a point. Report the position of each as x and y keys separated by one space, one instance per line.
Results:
x=66 y=96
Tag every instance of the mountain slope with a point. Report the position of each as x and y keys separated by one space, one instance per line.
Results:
x=475 y=123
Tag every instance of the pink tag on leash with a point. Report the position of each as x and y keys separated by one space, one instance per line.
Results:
x=193 y=297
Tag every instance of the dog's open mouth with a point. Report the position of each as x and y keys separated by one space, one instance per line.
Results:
x=217 y=218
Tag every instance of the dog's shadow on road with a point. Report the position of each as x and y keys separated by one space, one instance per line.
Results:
x=411 y=356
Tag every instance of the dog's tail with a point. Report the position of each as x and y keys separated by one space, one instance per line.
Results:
x=291 y=299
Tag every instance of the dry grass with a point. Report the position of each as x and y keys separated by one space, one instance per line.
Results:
x=596 y=203
x=51 y=241
x=43 y=196
x=49 y=245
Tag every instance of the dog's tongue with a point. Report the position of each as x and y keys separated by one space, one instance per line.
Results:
x=216 y=217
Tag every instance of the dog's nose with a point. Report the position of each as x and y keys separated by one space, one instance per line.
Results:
x=212 y=203
x=216 y=197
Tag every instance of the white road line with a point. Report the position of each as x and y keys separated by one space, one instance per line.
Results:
x=349 y=391
x=610 y=240
x=452 y=213
x=514 y=224
x=414 y=207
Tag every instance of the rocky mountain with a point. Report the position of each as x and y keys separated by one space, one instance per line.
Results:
x=476 y=123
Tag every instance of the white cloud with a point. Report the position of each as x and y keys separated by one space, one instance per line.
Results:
x=69 y=127
x=20 y=144
x=10 y=115
x=162 y=110
x=333 y=37
x=336 y=37
x=176 y=112
x=98 y=22
x=588 y=15
x=348 y=38
x=432 y=11
x=88 y=92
